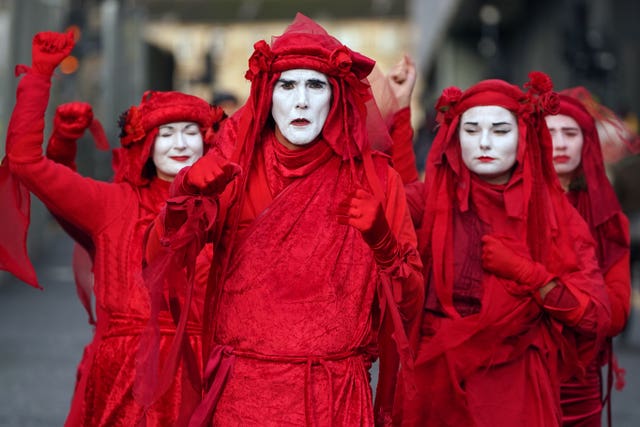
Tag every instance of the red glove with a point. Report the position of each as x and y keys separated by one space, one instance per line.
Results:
x=49 y=49
x=503 y=260
x=209 y=175
x=69 y=124
x=364 y=212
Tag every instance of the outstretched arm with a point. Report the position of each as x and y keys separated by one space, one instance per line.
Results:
x=48 y=180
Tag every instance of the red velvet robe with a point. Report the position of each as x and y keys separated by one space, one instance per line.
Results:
x=297 y=312
x=115 y=216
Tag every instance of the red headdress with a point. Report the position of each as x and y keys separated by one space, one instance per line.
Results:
x=139 y=127
x=527 y=196
x=353 y=124
x=617 y=140
x=590 y=190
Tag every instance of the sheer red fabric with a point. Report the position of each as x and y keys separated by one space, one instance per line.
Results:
x=487 y=357
x=15 y=214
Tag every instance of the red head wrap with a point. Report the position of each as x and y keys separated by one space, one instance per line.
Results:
x=528 y=194
x=590 y=190
x=139 y=127
x=350 y=128
x=617 y=140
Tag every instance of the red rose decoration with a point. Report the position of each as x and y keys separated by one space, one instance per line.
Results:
x=526 y=108
x=539 y=82
x=449 y=98
x=340 y=59
x=217 y=114
x=131 y=129
x=260 y=60
x=550 y=102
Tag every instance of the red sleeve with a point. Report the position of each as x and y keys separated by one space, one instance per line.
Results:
x=402 y=154
x=407 y=289
x=580 y=300
x=415 y=201
x=81 y=201
x=618 y=283
x=412 y=287
x=84 y=202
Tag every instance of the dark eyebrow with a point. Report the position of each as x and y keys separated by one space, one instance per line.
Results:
x=317 y=81
x=286 y=81
x=500 y=123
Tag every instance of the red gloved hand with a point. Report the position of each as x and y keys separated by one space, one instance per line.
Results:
x=48 y=49
x=504 y=261
x=69 y=124
x=209 y=175
x=364 y=212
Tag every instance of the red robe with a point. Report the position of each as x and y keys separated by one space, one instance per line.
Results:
x=591 y=193
x=296 y=317
x=518 y=348
x=115 y=216
x=583 y=397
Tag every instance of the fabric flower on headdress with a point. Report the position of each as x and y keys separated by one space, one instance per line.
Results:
x=260 y=60
x=340 y=58
x=447 y=101
x=541 y=94
x=539 y=82
x=217 y=116
x=131 y=129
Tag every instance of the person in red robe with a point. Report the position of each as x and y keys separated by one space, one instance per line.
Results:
x=515 y=301
x=577 y=159
x=315 y=264
x=167 y=131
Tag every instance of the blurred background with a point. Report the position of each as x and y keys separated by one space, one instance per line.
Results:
x=201 y=47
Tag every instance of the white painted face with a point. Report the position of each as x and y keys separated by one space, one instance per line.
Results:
x=177 y=145
x=567 y=144
x=301 y=103
x=489 y=142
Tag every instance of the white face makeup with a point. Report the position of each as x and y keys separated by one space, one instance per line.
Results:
x=489 y=142
x=567 y=145
x=177 y=145
x=301 y=103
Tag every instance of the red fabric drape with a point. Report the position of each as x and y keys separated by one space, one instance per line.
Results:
x=480 y=345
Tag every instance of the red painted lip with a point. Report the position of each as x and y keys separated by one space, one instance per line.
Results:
x=300 y=122
x=180 y=158
x=486 y=159
x=561 y=159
